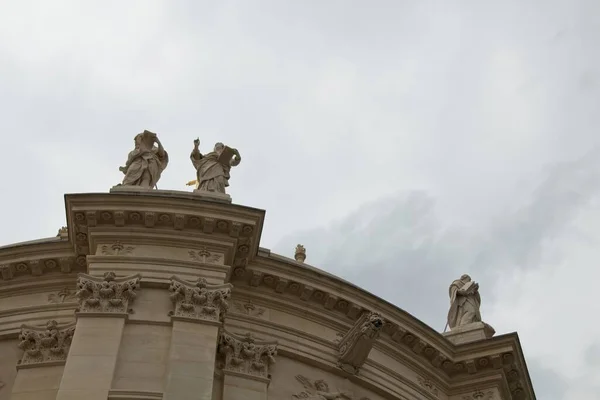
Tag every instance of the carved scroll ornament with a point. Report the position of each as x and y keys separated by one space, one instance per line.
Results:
x=45 y=344
x=246 y=355
x=199 y=300
x=108 y=294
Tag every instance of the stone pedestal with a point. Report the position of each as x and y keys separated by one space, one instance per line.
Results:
x=470 y=333
x=213 y=196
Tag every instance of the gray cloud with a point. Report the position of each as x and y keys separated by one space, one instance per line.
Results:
x=413 y=133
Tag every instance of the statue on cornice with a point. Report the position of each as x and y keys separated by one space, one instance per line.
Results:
x=464 y=302
x=146 y=162
x=212 y=169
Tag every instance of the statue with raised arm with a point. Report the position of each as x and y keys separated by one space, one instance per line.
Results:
x=464 y=302
x=146 y=162
x=212 y=169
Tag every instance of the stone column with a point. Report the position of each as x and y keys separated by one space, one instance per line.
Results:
x=41 y=367
x=197 y=316
x=246 y=366
x=103 y=308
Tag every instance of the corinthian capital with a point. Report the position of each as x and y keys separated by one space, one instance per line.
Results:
x=246 y=355
x=198 y=300
x=106 y=295
x=45 y=344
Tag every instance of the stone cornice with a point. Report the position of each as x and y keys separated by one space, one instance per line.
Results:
x=402 y=332
x=183 y=213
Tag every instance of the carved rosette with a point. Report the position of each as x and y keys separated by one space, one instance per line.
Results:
x=45 y=344
x=355 y=346
x=106 y=295
x=199 y=300
x=247 y=356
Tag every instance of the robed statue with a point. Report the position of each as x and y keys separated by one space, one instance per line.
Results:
x=464 y=302
x=146 y=162
x=212 y=169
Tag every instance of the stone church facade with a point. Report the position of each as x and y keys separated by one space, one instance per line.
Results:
x=167 y=295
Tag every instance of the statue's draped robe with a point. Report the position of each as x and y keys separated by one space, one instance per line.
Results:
x=212 y=176
x=144 y=166
x=464 y=309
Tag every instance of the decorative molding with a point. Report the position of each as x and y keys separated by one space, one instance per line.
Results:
x=247 y=356
x=480 y=395
x=63 y=295
x=204 y=256
x=248 y=308
x=355 y=346
x=117 y=249
x=35 y=267
x=198 y=300
x=428 y=384
x=107 y=295
x=319 y=389
x=45 y=344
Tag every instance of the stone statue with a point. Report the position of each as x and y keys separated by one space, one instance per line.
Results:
x=212 y=169
x=464 y=302
x=146 y=162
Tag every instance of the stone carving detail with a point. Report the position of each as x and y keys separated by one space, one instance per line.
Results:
x=248 y=308
x=246 y=355
x=464 y=302
x=106 y=295
x=44 y=344
x=199 y=300
x=204 y=256
x=63 y=295
x=117 y=249
x=319 y=390
x=212 y=169
x=300 y=254
x=464 y=305
x=479 y=395
x=355 y=346
x=146 y=162
x=427 y=384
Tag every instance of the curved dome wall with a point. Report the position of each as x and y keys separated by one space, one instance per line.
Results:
x=164 y=295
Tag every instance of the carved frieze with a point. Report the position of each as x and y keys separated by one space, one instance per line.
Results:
x=204 y=256
x=199 y=300
x=108 y=294
x=62 y=296
x=248 y=308
x=319 y=390
x=45 y=344
x=427 y=384
x=355 y=346
x=117 y=249
x=246 y=355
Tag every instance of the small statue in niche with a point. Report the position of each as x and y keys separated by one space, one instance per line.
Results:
x=146 y=162
x=319 y=390
x=464 y=302
x=212 y=169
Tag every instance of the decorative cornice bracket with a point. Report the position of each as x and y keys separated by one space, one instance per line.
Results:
x=355 y=346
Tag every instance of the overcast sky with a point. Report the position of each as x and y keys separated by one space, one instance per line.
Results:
x=402 y=142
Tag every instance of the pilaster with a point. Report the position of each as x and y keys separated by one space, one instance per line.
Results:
x=103 y=308
x=40 y=369
x=198 y=309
